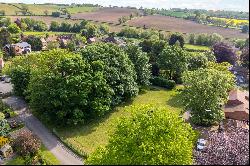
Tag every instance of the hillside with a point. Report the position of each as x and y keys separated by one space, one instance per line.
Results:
x=39 y=9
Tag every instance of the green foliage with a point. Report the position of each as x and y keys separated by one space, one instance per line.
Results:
x=5 y=36
x=14 y=29
x=19 y=70
x=64 y=88
x=206 y=91
x=173 y=60
x=117 y=68
x=35 y=42
x=176 y=37
x=153 y=48
x=90 y=30
x=162 y=82
x=206 y=39
x=152 y=136
x=245 y=29
x=130 y=32
x=4 y=126
x=200 y=60
x=141 y=64
x=104 y=29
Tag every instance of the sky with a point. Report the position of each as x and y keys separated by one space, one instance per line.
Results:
x=236 y=5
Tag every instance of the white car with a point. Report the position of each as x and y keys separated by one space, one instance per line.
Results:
x=201 y=143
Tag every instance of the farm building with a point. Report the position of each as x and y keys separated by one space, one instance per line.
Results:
x=237 y=107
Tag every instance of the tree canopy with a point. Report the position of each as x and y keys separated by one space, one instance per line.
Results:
x=151 y=135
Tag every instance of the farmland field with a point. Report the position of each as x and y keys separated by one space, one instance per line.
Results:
x=46 y=19
x=110 y=15
x=184 y=26
x=38 y=9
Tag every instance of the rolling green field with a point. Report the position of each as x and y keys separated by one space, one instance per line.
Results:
x=38 y=9
x=85 y=139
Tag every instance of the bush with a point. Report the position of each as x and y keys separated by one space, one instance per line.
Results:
x=56 y=14
x=4 y=126
x=162 y=82
x=27 y=144
x=150 y=136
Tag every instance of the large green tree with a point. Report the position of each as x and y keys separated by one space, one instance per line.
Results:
x=141 y=64
x=150 y=136
x=117 y=67
x=66 y=89
x=174 y=60
x=206 y=91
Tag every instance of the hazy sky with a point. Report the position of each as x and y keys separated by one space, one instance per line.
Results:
x=239 y=5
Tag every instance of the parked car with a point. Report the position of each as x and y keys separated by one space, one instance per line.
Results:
x=201 y=143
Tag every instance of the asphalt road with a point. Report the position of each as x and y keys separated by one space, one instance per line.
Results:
x=62 y=153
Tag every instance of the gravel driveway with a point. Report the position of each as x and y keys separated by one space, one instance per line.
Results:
x=62 y=153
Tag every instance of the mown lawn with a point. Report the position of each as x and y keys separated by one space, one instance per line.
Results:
x=196 y=47
x=49 y=157
x=85 y=139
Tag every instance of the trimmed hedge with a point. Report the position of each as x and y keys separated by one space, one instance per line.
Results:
x=162 y=82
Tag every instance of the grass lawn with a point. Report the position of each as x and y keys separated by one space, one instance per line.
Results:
x=49 y=157
x=196 y=47
x=86 y=138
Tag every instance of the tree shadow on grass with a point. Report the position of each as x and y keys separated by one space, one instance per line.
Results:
x=176 y=101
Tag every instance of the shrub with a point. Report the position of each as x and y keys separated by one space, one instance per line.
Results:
x=150 y=136
x=27 y=144
x=4 y=126
x=162 y=82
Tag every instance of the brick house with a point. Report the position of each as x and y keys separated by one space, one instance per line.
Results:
x=237 y=107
